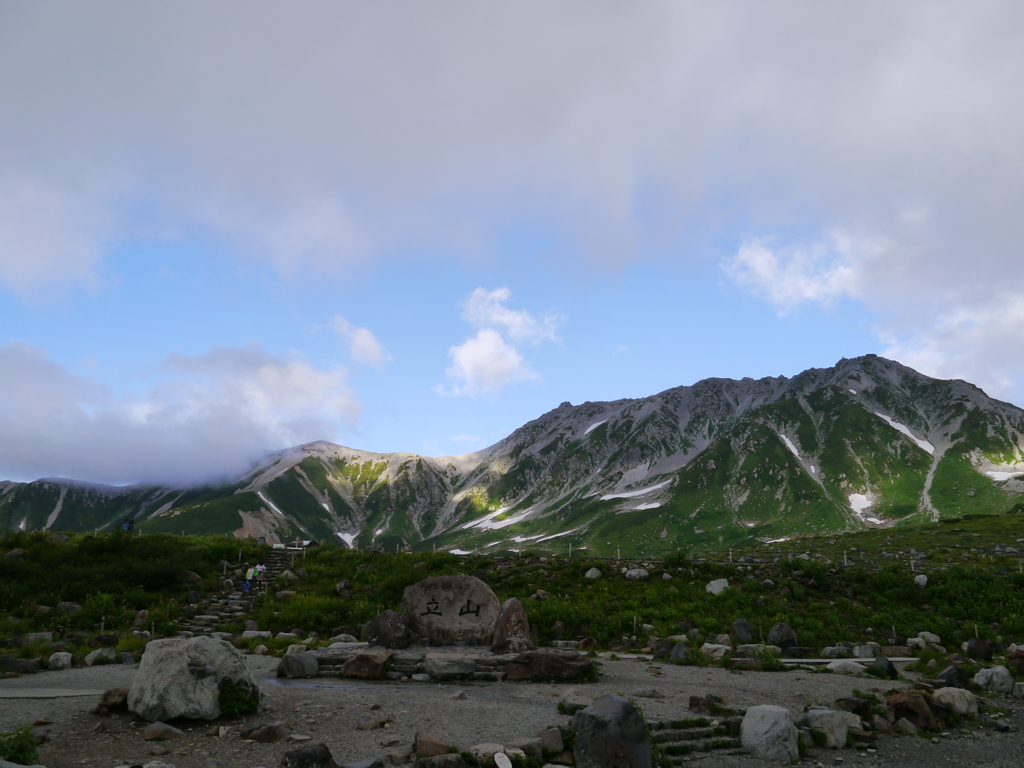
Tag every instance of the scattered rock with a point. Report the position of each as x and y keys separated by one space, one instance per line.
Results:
x=16 y=554
x=930 y=638
x=101 y=656
x=768 y=733
x=367 y=666
x=963 y=703
x=637 y=574
x=829 y=722
x=913 y=706
x=512 y=629
x=846 y=667
x=449 y=609
x=183 y=677
x=374 y=721
x=425 y=745
x=60 y=660
x=997 y=679
x=921 y=580
x=783 y=636
x=294 y=665
x=884 y=668
x=905 y=726
x=549 y=665
x=265 y=733
x=610 y=732
x=980 y=649
x=742 y=631
x=593 y=573
x=551 y=739
x=161 y=732
x=312 y=756
x=69 y=608
x=389 y=629
x=531 y=747
x=112 y=700
x=680 y=653
x=953 y=676
x=484 y=754
x=716 y=587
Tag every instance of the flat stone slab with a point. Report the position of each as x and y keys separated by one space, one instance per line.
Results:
x=50 y=693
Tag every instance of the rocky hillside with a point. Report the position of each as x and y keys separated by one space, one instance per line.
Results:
x=866 y=443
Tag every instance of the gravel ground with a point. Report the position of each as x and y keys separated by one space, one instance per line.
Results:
x=490 y=712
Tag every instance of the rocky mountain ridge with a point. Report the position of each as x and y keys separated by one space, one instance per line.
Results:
x=868 y=442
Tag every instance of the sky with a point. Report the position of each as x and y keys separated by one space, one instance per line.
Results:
x=231 y=228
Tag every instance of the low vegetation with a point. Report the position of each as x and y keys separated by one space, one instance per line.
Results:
x=972 y=588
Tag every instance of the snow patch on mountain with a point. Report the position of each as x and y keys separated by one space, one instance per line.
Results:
x=594 y=426
x=348 y=538
x=924 y=444
x=633 y=494
x=269 y=503
x=792 y=448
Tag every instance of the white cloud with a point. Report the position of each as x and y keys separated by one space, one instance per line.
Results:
x=207 y=415
x=486 y=364
x=362 y=344
x=790 y=275
x=485 y=308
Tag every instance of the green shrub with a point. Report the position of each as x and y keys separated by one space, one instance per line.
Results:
x=19 y=746
x=238 y=699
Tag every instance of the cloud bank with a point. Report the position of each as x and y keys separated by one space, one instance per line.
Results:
x=210 y=415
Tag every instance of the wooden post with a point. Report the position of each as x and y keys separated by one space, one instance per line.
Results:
x=618 y=553
x=239 y=555
x=975 y=630
x=844 y=558
x=570 y=550
x=911 y=565
x=103 y=624
x=730 y=555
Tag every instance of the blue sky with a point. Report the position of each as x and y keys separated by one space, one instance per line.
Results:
x=415 y=228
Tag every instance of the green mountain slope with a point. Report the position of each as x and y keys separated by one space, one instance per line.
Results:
x=866 y=443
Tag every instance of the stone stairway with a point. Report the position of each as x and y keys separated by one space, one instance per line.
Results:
x=227 y=603
x=678 y=738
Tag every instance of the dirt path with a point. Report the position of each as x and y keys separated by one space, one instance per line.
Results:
x=328 y=710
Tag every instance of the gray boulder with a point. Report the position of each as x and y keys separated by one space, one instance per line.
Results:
x=610 y=733
x=101 y=656
x=768 y=733
x=679 y=654
x=742 y=631
x=448 y=609
x=60 y=660
x=183 y=677
x=830 y=723
x=997 y=679
x=783 y=636
x=637 y=574
x=593 y=573
x=512 y=629
x=389 y=629
x=964 y=703
x=294 y=665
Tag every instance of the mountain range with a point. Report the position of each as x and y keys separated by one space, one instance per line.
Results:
x=866 y=443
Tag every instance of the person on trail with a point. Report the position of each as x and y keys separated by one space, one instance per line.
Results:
x=260 y=570
x=250 y=578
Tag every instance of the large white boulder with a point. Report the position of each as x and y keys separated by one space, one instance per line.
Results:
x=717 y=587
x=996 y=679
x=960 y=701
x=768 y=733
x=930 y=637
x=183 y=677
x=831 y=723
